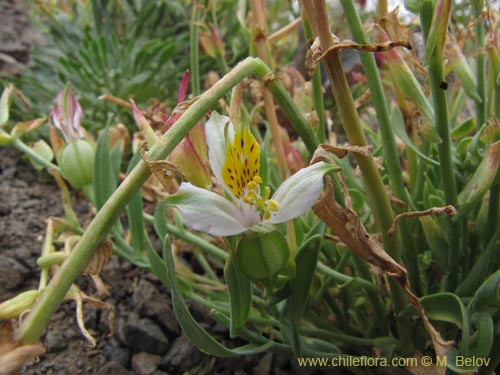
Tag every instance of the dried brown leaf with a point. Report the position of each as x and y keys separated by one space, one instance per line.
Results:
x=323 y=152
x=434 y=211
x=99 y=258
x=12 y=353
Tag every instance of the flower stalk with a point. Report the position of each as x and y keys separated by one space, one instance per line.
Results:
x=438 y=90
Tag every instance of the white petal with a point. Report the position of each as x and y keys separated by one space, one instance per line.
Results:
x=299 y=192
x=214 y=130
x=207 y=211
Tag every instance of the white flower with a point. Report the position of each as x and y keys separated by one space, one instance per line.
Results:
x=234 y=158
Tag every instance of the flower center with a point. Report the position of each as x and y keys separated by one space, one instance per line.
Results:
x=241 y=173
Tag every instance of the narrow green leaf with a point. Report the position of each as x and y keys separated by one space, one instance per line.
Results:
x=481 y=267
x=481 y=181
x=305 y=260
x=480 y=346
x=399 y=128
x=437 y=241
x=104 y=180
x=240 y=296
x=464 y=128
x=116 y=160
x=446 y=307
x=160 y=221
x=488 y=294
x=157 y=265
x=196 y=333
x=134 y=213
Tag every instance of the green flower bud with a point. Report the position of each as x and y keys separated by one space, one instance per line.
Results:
x=261 y=256
x=14 y=307
x=77 y=163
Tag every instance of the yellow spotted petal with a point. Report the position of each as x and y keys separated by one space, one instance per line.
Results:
x=242 y=162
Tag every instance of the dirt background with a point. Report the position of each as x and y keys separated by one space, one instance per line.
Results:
x=143 y=336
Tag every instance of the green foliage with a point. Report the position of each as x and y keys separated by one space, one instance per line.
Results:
x=129 y=49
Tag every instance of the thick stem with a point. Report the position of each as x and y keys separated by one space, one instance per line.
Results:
x=438 y=91
x=25 y=149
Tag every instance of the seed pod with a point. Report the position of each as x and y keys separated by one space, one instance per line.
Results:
x=77 y=163
x=262 y=256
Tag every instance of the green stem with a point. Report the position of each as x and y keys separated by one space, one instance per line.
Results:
x=36 y=322
x=25 y=149
x=194 y=50
x=345 y=279
x=438 y=91
x=481 y=106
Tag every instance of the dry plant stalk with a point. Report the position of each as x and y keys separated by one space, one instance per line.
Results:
x=434 y=211
x=349 y=230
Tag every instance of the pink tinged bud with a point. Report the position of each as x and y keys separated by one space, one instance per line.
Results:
x=439 y=28
x=190 y=157
x=67 y=115
x=183 y=87
x=190 y=164
x=211 y=42
x=458 y=63
x=144 y=126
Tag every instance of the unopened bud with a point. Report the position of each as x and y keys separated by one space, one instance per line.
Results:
x=14 y=307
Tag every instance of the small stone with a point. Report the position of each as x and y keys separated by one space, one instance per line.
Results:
x=159 y=372
x=145 y=335
x=145 y=363
x=12 y=273
x=264 y=365
x=117 y=354
x=4 y=209
x=28 y=203
x=148 y=300
x=55 y=342
x=113 y=368
x=181 y=357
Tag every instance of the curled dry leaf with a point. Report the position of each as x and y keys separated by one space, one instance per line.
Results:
x=99 y=258
x=12 y=353
x=316 y=54
x=349 y=229
x=324 y=150
x=434 y=211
